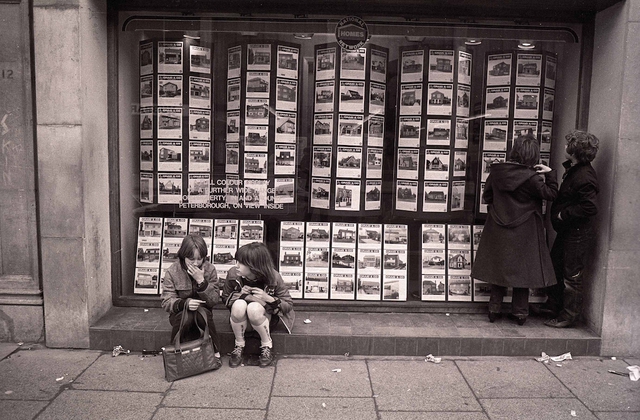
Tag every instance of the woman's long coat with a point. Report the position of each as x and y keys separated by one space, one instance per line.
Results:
x=513 y=250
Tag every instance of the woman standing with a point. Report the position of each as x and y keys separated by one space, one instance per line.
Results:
x=190 y=283
x=513 y=251
x=254 y=292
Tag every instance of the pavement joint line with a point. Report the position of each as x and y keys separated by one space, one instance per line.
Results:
x=547 y=365
x=273 y=380
x=471 y=389
x=66 y=386
x=373 y=394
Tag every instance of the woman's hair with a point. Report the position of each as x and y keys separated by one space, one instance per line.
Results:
x=189 y=244
x=525 y=150
x=257 y=257
x=582 y=145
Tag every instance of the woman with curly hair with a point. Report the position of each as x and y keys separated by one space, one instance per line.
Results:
x=572 y=216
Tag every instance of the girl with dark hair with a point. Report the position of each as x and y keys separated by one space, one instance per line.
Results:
x=513 y=251
x=254 y=292
x=188 y=284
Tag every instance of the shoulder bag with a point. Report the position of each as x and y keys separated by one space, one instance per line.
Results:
x=192 y=357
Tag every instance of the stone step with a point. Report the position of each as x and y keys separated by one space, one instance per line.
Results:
x=364 y=333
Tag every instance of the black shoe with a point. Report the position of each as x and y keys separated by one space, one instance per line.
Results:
x=493 y=316
x=266 y=356
x=235 y=358
x=543 y=310
x=558 y=323
x=520 y=319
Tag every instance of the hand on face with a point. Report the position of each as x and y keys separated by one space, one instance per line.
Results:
x=194 y=271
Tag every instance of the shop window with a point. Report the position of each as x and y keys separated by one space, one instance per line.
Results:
x=362 y=169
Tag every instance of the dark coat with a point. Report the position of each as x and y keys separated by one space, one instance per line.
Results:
x=513 y=250
x=576 y=202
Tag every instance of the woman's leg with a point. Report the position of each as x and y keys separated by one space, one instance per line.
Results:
x=239 y=321
x=520 y=302
x=259 y=320
x=497 y=295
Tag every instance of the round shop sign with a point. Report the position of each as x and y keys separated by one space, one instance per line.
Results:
x=352 y=33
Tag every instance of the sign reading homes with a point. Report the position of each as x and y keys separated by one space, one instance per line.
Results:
x=352 y=33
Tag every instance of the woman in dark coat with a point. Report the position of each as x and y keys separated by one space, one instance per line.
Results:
x=512 y=250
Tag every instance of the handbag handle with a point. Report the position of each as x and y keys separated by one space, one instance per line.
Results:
x=204 y=333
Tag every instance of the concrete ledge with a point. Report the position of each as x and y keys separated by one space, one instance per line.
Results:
x=367 y=334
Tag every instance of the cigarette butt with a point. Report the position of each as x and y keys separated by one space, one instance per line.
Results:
x=617 y=373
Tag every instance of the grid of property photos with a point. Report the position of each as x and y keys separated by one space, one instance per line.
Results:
x=175 y=88
x=434 y=91
x=516 y=103
x=159 y=240
x=344 y=261
x=262 y=125
x=348 y=129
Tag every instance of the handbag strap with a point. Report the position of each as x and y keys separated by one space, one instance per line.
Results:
x=204 y=333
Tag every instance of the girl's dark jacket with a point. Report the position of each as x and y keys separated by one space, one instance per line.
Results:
x=513 y=250
x=232 y=292
x=576 y=201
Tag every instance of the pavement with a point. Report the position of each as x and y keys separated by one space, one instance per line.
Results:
x=41 y=383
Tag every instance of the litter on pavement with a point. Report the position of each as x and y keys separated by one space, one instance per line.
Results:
x=545 y=358
x=432 y=359
x=117 y=350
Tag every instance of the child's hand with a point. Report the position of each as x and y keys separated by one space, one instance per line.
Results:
x=194 y=304
x=541 y=168
x=196 y=273
x=260 y=294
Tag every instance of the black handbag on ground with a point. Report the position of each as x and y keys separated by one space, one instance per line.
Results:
x=183 y=359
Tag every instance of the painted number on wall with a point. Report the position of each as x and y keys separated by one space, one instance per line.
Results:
x=6 y=74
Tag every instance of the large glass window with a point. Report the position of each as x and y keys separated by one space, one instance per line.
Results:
x=360 y=163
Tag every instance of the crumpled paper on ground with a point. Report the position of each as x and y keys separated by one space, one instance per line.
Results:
x=634 y=372
x=545 y=358
x=432 y=359
x=117 y=350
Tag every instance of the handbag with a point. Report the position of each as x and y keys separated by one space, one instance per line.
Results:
x=183 y=359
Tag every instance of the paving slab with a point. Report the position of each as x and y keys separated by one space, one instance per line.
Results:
x=600 y=390
x=35 y=374
x=81 y=405
x=321 y=408
x=21 y=410
x=504 y=377
x=315 y=378
x=536 y=408
x=244 y=387
x=208 y=414
x=7 y=348
x=421 y=415
x=616 y=415
x=415 y=385
x=124 y=373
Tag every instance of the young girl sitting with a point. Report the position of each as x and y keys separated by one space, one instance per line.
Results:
x=189 y=284
x=254 y=292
